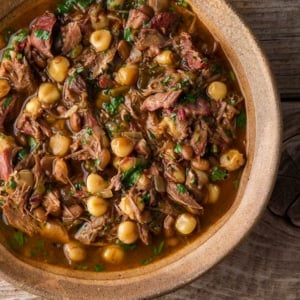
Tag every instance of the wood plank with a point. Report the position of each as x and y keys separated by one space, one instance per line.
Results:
x=277 y=26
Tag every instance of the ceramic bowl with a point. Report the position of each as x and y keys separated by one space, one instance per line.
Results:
x=263 y=144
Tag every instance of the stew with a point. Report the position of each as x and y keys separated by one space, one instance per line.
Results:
x=122 y=133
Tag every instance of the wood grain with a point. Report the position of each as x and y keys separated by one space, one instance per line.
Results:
x=276 y=24
x=266 y=264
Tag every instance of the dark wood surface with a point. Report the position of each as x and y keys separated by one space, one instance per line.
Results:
x=266 y=265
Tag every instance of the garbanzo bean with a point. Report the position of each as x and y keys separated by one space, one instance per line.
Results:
x=201 y=164
x=25 y=177
x=232 y=160
x=126 y=207
x=187 y=152
x=166 y=57
x=59 y=144
x=128 y=232
x=213 y=193
x=115 y=4
x=127 y=75
x=185 y=223
x=100 y=22
x=4 y=87
x=96 y=206
x=95 y=183
x=60 y=170
x=74 y=252
x=113 y=254
x=75 y=122
x=217 y=90
x=48 y=93
x=127 y=163
x=6 y=141
x=58 y=68
x=104 y=158
x=101 y=39
x=34 y=107
x=121 y=146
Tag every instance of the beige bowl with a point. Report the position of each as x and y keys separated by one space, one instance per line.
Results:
x=263 y=144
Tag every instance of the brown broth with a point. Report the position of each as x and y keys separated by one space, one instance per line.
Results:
x=42 y=250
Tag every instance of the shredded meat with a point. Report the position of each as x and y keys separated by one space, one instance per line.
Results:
x=71 y=36
x=41 y=33
x=136 y=19
x=160 y=100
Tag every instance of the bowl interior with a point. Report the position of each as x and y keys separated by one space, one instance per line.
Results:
x=256 y=183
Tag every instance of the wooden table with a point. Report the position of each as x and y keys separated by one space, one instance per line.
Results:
x=266 y=265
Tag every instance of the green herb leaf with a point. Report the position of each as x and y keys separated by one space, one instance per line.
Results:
x=181 y=188
x=158 y=250
x=241 y=119
x=182 y=3
x=82 y=267
x=128 y=36
x=89 y=131
x=20 y=37
x=17 y=240
x=22 y=154
x=42 y=34
x=99 y=268
x=131 y=176
x=6 y=102
x=33 y=144
x=129 y=247
x=189 y=98
x=147 y=261
x=113 y=106
x=79 y=185
x=178 y=149
x=232 y=76
x=12 y=184
x=218 y=174
x=69 y=5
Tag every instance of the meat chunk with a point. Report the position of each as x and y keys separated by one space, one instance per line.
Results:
x=150 y=38
x=51 y=203
x=7 y=108
x=71 y=36
x=136 y=19
x=183 y=198
x=166 y=22
x=20 y=75
x=199 y=139
x=160 y=100
x=192 y=59
x=41 y=33
x=6 y=163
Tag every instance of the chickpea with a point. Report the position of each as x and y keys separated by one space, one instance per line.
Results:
x=143 y=183
x=213 y=193
x=166 y=57
x=33 y=107
x=128 y=232
x=25 y=177
x=95 y=183
x=74 y=252
x=54 y=231
x=176 y=173
x=232 y=160
x=39 y=214
x=60 y=170
x=187 y=152
x=4 y=87
x=6 y=142
x=58 y=68
x=48 y=93
x=75 y=122
x=100 y=22
x=127 y=75
x=113 y=254
x=217 y=90
x=126 y=207
x=101 y=39
x=96 y=206
x=115 y=4
x=104 y=158
x=116 y=162
x=185 y=223
x=127 y=163
x=59 y=144
x=121 y=146
x=200 y=164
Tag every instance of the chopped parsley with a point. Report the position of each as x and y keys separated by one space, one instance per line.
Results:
x=69 y=5
x=89 y=131
x=189 y=98
x=147 y=261
x=128 y=247
x=113 y=106
x=166 y=80
x=33 y=144
x=78 y=185
x=182 y=3
x=181 y=188
x=131 y=176
x=99 y=268
x=178 y=149
x=42 y=34
x=17 y=240
x=12 y=184
x=232 y=76
x=22 y=154
x=20 y=37
x=241 y=119
x=158 y=250
x=128 y=36
x=218 y=174
x=6 y=102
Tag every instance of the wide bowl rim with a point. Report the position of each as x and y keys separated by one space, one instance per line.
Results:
x=165 y=276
